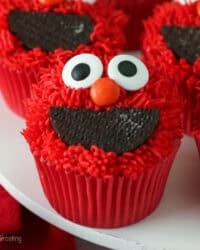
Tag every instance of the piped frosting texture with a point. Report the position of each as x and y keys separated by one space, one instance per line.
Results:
x=45 y=143
x=161 y=59
x=154 y=43
x=103 y=38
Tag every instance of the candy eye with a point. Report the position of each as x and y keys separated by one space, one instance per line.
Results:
x=82 y=71
x=128 y=71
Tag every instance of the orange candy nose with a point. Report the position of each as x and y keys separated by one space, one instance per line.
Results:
x=50 y=2
x=104 y=92
x=198 y=8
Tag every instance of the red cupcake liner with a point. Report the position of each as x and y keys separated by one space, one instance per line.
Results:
x=191 y=120
x=15 y=86
x=137 y=10
x=110 y=203
x=188 y=122
x=197 y=138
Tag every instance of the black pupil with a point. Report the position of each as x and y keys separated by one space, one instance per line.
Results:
x=127 y=68
x=80 y=71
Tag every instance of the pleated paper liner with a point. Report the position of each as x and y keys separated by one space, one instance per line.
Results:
x=137 y=10
x=197 y=139
x=15 y=87
x=191 y=118
x=112 y=203
x=187 y=118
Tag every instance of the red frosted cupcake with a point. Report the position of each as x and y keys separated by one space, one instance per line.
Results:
x=35 y=31
x=171 y=47
x=104 y=135
x=137 y=10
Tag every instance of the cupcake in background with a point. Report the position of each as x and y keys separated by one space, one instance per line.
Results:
x=171 y=47
x=104 y=133
x=34 y=32
x=137 y=10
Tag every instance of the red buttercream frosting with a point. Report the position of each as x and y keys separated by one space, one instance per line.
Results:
x=107 y=35
x=154 y=44
x=46 y=145
x=161 y=59
x=137 y=11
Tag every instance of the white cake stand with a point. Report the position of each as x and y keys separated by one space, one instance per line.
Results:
x=174 y=226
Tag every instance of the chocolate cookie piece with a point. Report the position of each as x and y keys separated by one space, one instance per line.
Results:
x=184 y=41
x=50 y=31
x=119 y=130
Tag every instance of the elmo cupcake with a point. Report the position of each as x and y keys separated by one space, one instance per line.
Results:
x=137 y=10
x=104 y=134
x=34 y=32
x=171 y=47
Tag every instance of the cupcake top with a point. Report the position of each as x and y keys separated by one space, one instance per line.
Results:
x=171 y=41
x=31 y=32
x=102 y=116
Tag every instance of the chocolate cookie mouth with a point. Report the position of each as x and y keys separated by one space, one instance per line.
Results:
x=119 y=130
x=50 y=31
x=184 y=41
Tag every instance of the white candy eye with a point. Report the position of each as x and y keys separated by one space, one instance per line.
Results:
x=82 y=71
x=128 y=71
